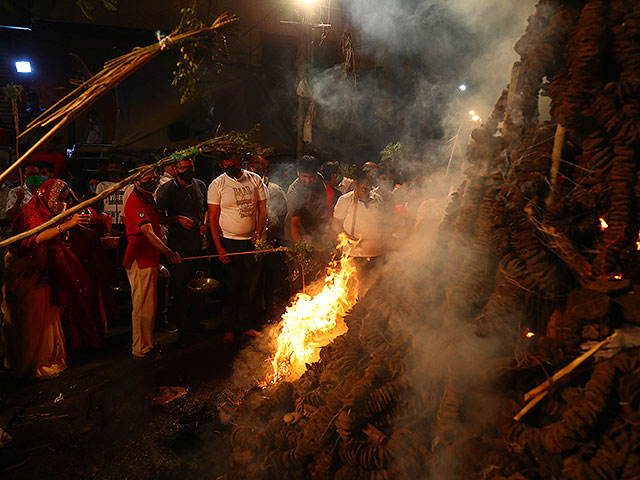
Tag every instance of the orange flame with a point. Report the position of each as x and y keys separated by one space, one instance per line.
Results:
x=638 y=241
x=617 y=276
x=311 y=322
x=529 y=334
x=603 y=224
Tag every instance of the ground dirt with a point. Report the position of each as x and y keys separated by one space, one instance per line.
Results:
x=104 y=425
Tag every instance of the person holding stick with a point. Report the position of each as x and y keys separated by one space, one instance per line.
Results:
x=360 y=215
x=237 y=218
x=182 y=204
x=141 y=261
x=41 y=275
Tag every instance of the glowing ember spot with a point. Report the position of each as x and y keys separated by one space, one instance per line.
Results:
x=617 y=276
x=638 y=241
x=529 y=334
x=603 y=224
x=312 y=321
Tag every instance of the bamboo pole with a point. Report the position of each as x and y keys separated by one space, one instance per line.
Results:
x=217 y=143
x=250 y=252
x=67 y=213
x=569 y=368
x=534 y=396
x=556 y=157
x=114 y=72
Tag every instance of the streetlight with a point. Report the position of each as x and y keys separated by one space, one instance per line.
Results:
x=23 y=66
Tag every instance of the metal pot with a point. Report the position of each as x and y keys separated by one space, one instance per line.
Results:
x=203 y=286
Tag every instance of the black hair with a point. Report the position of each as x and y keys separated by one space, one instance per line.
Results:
x=329 y=168
x=308 y=164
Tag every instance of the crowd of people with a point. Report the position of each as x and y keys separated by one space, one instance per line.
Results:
x=58 y=285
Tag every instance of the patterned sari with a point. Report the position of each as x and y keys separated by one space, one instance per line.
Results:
x=47 y=292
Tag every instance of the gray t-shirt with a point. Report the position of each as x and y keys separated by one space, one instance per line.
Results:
x=308 y=203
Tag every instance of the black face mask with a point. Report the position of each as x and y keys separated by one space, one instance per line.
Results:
x=149 y=186
x=233 y=171
x=187 y=175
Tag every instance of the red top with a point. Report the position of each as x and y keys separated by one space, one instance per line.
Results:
x=137 y=211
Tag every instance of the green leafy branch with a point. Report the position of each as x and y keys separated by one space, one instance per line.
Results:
x=195 y=51
x=391 y=152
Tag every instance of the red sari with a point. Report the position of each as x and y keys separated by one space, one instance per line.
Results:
x=71 y=287
x=85 y=244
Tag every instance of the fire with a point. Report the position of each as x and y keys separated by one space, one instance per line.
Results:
x=311 y=322
x=529 y=334
x=617 y=276
x=638 y=241
x=603 y=224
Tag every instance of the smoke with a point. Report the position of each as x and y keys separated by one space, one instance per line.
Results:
x=423 y=52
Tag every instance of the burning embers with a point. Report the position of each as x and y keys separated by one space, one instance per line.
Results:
x=313 y=321
x=603 y=224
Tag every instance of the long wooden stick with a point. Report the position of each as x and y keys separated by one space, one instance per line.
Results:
x=55 y=220
x=569 y=368
x=556 y=157
x=115 y=71
x=530 y=405
x=250 y=252
x=533 y=397
x=206 y=146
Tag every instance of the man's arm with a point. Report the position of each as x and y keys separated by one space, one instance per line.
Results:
x=296 y=229
x=262 y=219
x=157 y=243
x=214 y=228
x=184 y=222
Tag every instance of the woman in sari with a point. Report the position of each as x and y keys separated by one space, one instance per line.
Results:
x=40 y=270
x=86 y=243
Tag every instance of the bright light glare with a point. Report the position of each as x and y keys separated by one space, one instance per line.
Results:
x=475 y=118
x=462 y=87
x=307 y=1
x=472 y=112
x=23 y=66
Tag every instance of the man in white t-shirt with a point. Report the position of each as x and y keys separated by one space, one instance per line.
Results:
x=237 y=217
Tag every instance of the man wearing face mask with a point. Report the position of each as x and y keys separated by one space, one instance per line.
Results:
x=237 y=218
x=182 y=204
x=141 y=261
x=19 y=196
x=308 y=211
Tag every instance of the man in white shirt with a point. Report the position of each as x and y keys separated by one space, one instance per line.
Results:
x=19 y=196
x=360 y=214
x=237 y=217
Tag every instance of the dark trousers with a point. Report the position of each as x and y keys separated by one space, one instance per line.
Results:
x=239 y=312
x=162 y=312
x=186 y=304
